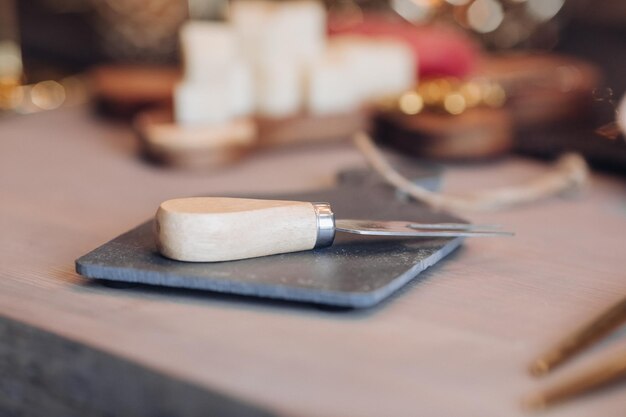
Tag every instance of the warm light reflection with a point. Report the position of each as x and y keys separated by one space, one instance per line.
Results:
x=569 y=78
x=47 y=95
x=428 y=4
x=10 y=94
x=416 y=10
x=434 y=91
x=494 y=95
x=502 y=24
x=544 y=9
x=449 y=95
x=471 y=93
x=485 y=16
x=411 y=103
x=10 y=59
x=454 y=103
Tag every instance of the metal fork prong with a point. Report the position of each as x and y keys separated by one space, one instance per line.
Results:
x=453 y=226
x=461 y=233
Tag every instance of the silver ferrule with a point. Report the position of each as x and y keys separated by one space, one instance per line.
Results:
x=325 y=225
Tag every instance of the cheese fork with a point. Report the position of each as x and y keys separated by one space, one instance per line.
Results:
x=213 y=229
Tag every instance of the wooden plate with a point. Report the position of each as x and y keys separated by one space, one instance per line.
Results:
x=193 y=146
x=212 y=146
x=304 y=128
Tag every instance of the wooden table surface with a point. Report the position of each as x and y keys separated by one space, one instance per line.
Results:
x=457 y=341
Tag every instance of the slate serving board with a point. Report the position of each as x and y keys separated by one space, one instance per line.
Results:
x=356 y=271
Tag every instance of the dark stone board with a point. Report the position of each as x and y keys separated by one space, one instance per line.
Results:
x=356 y=271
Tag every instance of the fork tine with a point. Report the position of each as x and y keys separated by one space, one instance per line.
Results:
x=456 y=233
x=454 y=226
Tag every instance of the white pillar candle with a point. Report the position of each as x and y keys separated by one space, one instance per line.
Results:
x=208 y=49
x=280 y=39
x=269 y=28
x=279 y=87
x=249 y=19
x=297 y=29
x=201 y=103
x=330 y=87
x=217 y=84
x=379 y=67
x=241 y=88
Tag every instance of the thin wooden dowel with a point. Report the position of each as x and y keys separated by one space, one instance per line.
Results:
x=580 y=339
x=610 y=370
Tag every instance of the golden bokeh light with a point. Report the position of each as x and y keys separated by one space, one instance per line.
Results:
x=494 y=95
x=47 y=95
x=485 y=16
x=411 y=103
x=434 y=91
x=10 y=93
x=454 y=103
x=544 y=9
x=471 y=93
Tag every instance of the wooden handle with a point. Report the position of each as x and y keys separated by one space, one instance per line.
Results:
x=211 y=229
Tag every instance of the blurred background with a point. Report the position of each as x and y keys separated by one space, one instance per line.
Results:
x=532 y=76
x=73 y=35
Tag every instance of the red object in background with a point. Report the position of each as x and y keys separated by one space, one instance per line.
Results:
x=440 y=50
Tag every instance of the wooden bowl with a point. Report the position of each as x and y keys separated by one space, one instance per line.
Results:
x=543 y=89
x=476 y=133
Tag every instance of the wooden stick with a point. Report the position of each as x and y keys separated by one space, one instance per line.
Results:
x=577 y=341
x=608 y=371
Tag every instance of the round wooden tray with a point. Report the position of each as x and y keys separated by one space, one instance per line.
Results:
x=304 y=128
x=193 y=146
x=212 y=146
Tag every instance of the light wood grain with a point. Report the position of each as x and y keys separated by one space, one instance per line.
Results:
x=306 y=128
x=456 y=342
x=213 y=229
x=210 y=147
x=195 y=147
